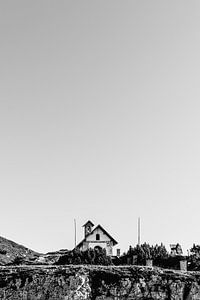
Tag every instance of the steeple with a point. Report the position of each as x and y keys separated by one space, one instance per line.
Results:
x=88 y=228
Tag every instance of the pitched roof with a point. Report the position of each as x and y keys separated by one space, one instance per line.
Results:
x=88 y=222
x=104 y=231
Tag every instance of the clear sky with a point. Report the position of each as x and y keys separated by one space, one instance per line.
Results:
x=100 y=120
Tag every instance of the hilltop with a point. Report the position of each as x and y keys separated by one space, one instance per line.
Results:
x=13 y=253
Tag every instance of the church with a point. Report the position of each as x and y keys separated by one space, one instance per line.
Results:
x=96 y=238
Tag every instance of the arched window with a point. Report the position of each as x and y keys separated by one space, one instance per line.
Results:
x=97 y=248
x=97 y=237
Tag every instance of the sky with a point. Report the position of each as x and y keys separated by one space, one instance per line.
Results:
x=99 y=120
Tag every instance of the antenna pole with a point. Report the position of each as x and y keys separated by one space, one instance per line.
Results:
x=75 y=232
x=139 y=231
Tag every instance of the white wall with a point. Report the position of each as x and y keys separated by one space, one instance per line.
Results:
x=103 y=237
x=104 y=242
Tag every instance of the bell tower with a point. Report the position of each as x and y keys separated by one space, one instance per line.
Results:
x=87 y=228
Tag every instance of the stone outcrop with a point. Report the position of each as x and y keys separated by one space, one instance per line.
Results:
x=96 y=283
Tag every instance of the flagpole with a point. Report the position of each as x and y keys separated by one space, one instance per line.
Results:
x=75 y=232
x=139 y=231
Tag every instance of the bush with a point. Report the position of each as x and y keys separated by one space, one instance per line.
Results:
x=90 y=257
x=18 y=260
x=140 y=253
x=171 y=262
x=194 y=258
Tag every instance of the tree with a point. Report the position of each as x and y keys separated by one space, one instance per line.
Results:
x=143 y=252
x=194 y=258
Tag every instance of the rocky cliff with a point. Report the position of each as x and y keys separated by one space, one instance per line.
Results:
x=96 y=282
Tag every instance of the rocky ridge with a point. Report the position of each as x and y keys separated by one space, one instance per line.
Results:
x=97 y=283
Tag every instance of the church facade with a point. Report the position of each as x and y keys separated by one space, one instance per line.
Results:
x=97 y=238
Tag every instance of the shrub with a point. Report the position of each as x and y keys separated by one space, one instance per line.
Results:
x=194 y=258
x=90 y=256
x=140 y=253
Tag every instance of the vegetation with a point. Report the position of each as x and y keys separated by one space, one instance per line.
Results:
x=141 y=253
x=90 y=256
x=194 y=258
x=159 y=255
x=14 y=254
x=137 y=255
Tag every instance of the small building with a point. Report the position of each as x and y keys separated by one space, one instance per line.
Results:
x=176 y=249
x=97 y=238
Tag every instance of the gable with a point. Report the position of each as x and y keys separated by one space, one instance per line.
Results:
x=102 y=235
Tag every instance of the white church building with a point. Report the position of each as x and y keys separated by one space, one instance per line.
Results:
x=96 y=238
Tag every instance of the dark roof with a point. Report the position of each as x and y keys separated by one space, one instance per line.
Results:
x=88 y=222
x=99 y=226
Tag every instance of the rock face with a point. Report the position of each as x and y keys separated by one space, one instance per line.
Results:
x=96 y=283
